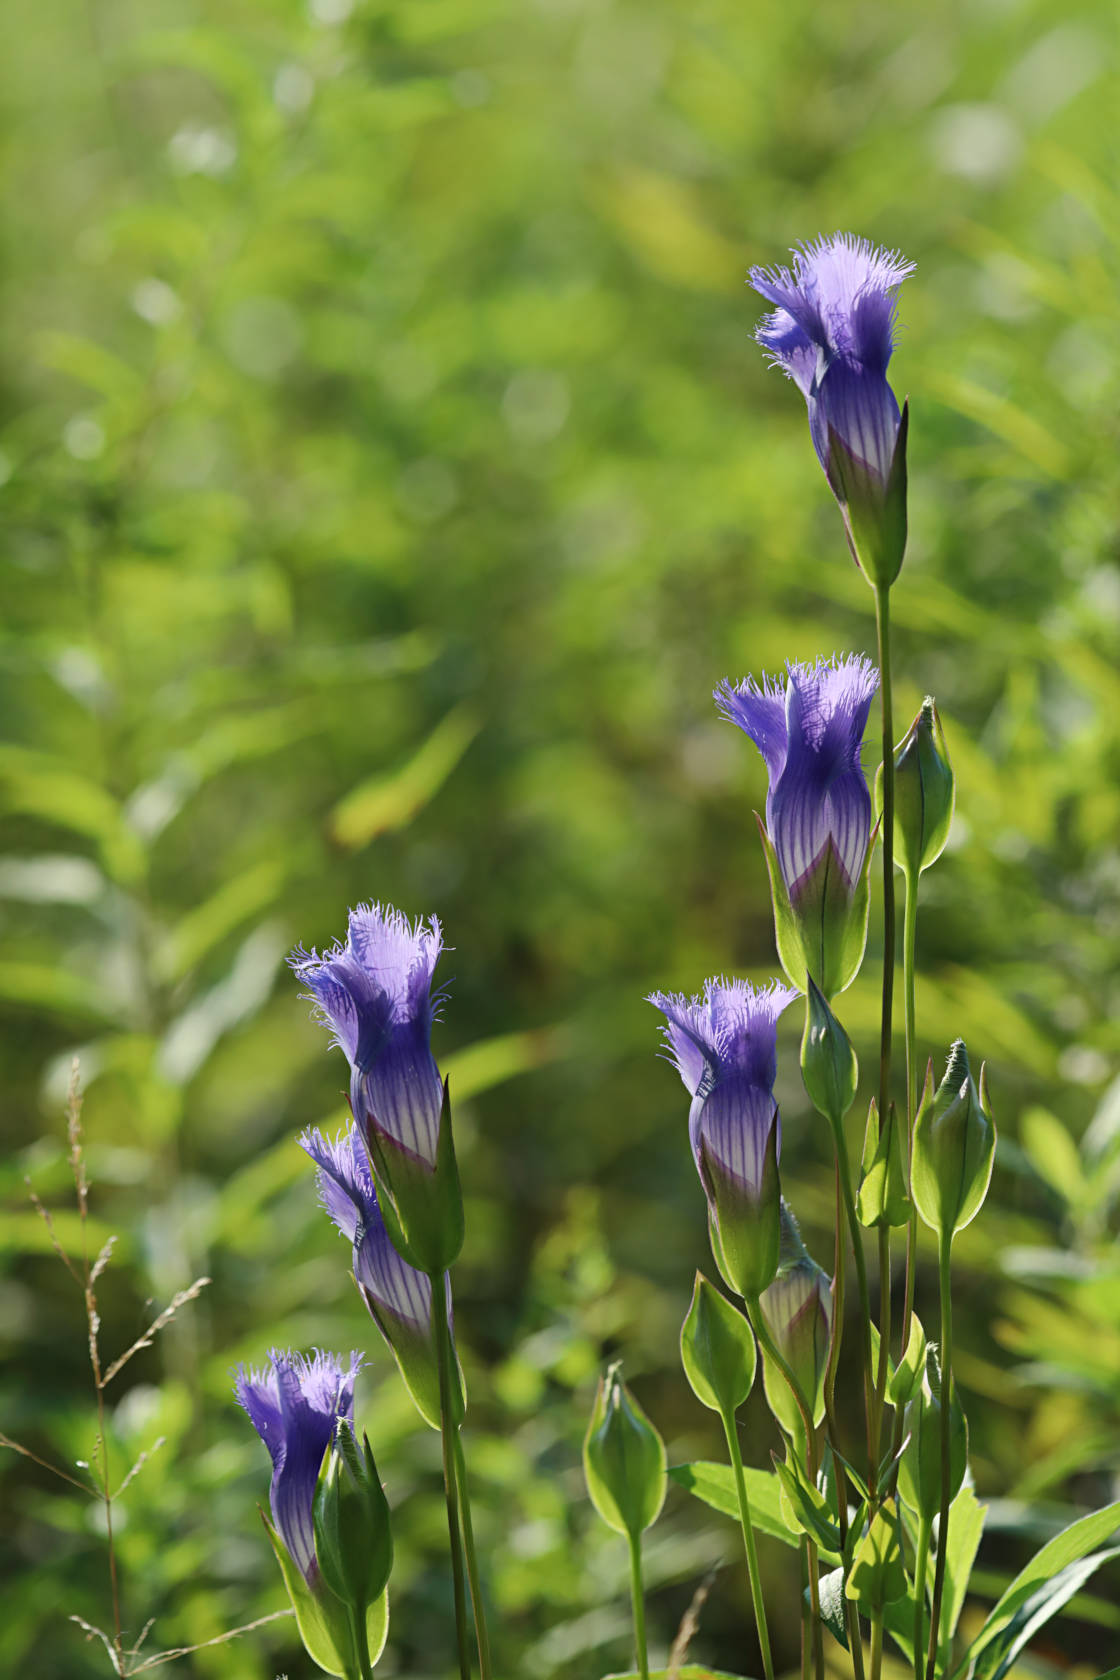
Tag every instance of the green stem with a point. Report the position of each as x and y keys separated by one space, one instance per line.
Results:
x=844 y=1169
x=816 y=1625
x=946 y=1246
x=442 y=1338
x=884 y=1320
x=748 y=1542
x=883 y=629
x=480 y=1628
x=909 y=946
x=639 y=1604
x=851 y=1613
x=360 y=1635
x=877 y=1646
x=920 y=1561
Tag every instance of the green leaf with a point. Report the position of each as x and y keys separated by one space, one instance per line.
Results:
x=966 y=1524
x=1066 y=1548
x=1038 y=1610
x=833 y=1611
x=322 y=1621
x=715 y=1485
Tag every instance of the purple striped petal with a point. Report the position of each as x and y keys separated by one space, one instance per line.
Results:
x=818 y=791
x=294 y=1407
x=832 y=333
x=347 y=1191
x=375 y=994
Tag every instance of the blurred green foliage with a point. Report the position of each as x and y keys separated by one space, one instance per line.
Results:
x=389 y=477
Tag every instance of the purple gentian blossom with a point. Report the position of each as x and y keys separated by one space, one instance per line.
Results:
x=375 y=994
x=832 y=333
x=809 y=730
x=294 y=1406
x=724 y=1046
x=389 y=1284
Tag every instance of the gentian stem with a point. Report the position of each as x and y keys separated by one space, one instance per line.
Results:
x=639 y=1604
x=730 y=1431
x=844 y=1171
x=883 y=628
x=442 y=1339
x=909 y=947
x=946 y=1437
x=920 y=1561
x=360 y=1637
x=481 y=1632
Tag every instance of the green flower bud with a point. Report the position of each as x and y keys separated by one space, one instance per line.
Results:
x=353 y=1540
x=954 y=1148
x=919 y=1471
x=623 y=1459
x=924 y=792
x=828 y=1063
x=717 y=1350
x=797 y=1309
x=882 y=1191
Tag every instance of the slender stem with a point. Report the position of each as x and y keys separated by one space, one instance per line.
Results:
x=639 y=1604
x=884 y=1318
x=442 y=1340
x=877 y=1646
x=946 y=1246
x=481 y=1632
x=806 y=1633
x=883 y=627
x=909 y=946
x=844 y=1169
x=920 y=1561
x=748 y=1542
x=360 y=1636
x=816 y=1625
x=851 y=1613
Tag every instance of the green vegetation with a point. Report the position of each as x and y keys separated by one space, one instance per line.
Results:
x=388 y=478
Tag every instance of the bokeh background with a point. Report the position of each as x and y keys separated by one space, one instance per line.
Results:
x=388 y=478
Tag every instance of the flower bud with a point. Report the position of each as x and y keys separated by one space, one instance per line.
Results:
x=717 y=1350
x=828 y=1063
x=924 y=792
x=882 y=1190
x=797 y=1309
x=919 y=1471
x=353 y=1542
x=954 y=1148
x=623 y=1459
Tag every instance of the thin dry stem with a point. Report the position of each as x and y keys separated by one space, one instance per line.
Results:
x=44 y=1464
x=689 y=1628
x=219 y=1639
x=157 y=1324
x=160 y=1440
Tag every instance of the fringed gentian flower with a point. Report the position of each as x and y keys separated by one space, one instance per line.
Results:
x=295 y=1406
x=832 y=333
x=399 y=1297
x=375 y=994
x=724 y=1046
x=817 y=836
